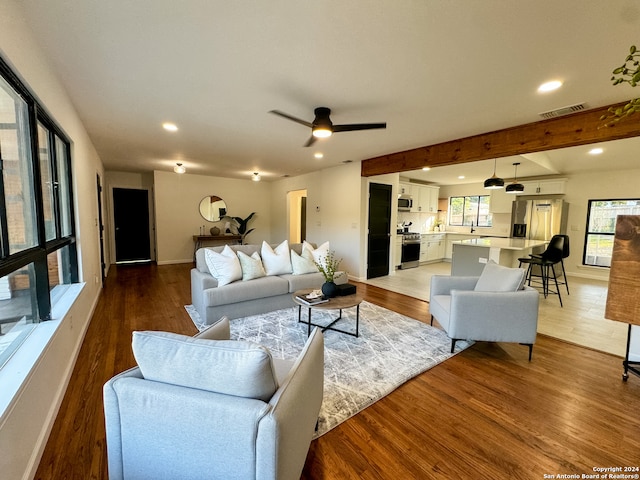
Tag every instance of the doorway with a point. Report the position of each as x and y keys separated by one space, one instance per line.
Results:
x=297 y=206
x=131 y=221
x=379 y=238
x=103 y=265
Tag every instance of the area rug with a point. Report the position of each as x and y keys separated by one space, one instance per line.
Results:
x=391 y=349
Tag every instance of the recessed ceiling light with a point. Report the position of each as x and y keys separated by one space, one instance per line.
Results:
x=550 y=86
x=426 y=169
x=596 y=151
x=318 y=154
x=460 y=177
x=171 y=127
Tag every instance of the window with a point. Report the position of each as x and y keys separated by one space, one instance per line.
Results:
x=471 y=211
x=601 y=228
x=38 y=255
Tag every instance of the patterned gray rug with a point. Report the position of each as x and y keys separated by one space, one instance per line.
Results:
x=390 y=350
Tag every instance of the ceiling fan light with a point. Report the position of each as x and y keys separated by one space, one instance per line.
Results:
x=179 y=168
x=322 y=132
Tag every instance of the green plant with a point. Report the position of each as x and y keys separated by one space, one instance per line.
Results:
x=628 y=72
x=328 y=266
x=242 y=226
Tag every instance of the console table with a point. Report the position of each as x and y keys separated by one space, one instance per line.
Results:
x=198 y=240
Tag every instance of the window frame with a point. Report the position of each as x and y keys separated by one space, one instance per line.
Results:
x=38 y=254
x=465 y=222
x=588 y=233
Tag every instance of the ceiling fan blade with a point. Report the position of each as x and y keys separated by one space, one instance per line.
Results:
x=358 y=126
x=311 y=141
x=293 y=119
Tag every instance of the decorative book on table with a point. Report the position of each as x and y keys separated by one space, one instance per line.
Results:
x=312 y=299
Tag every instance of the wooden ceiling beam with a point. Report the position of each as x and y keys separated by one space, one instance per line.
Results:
x=568 y=131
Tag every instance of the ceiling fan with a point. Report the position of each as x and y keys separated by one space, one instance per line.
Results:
x=322 y=127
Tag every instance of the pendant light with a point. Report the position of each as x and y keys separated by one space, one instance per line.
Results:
x=494 y=182
x=515 y=187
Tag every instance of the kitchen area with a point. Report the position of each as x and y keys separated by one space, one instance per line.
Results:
x=426 y=243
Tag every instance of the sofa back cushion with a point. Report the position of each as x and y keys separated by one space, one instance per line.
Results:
x=497 y=278
x=239 y=368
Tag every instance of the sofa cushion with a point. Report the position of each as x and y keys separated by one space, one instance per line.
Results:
x=239 y=368
x=496 y=278
x=302 y=264
x=225 y=266
x=251 y=266
x=240 y=291
x=276 y=261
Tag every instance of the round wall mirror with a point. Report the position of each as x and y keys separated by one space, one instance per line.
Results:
x=213 y=208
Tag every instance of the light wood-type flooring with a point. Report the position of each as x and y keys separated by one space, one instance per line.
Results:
x=580 y=320
x=485 y=413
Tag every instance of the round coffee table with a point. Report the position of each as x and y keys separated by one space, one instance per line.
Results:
x=335 y=303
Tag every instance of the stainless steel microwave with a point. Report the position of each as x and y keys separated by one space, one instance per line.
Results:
x=405 y=204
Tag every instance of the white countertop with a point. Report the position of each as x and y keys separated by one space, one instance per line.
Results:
x=503 y=243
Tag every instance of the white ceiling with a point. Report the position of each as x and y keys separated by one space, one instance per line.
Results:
x=433 y=70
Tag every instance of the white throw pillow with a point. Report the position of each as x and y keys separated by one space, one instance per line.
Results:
x=225 y=266
x=278 y=261
x=251 y=266
x=318 y=253
x=496 y=278
x=302 y=264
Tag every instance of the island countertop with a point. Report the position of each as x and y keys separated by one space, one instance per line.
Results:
x=502 y=243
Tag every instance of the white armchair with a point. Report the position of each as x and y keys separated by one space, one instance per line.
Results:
x=196 y=408
x=468 y=313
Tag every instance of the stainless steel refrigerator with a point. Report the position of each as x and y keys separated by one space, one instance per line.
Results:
x=539 y=219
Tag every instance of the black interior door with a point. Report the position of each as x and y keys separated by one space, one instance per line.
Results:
x=379 y=230
x=131 y=218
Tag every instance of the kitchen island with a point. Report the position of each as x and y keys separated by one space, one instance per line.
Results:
x=470 y=256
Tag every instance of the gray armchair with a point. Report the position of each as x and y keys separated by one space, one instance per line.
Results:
x=195 y=409
x=493 y=316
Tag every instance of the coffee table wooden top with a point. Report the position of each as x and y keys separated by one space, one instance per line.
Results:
x=334 y=303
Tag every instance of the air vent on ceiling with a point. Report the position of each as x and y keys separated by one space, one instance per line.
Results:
x=563 y=111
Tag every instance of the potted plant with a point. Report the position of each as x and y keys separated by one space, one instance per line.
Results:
x=328 y=267
x=242 y=226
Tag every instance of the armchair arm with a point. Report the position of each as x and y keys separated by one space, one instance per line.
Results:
x=443 y=284
x=495 y=316
x=285 y=433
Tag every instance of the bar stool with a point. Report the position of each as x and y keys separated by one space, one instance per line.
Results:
x=547 y=261
x=565 y=254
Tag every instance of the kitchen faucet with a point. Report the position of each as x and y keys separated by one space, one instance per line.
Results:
x=472 y=229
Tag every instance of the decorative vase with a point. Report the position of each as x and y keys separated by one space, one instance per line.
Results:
x=329 y=289
x=215 y=231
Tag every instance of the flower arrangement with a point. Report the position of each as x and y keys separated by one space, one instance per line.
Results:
x=328 y=266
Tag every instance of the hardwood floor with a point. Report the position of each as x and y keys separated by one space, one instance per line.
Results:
x=485 y=413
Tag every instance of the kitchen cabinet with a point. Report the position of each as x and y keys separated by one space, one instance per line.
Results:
x=406 y=189
x=432 y=248
x=544 y=187
x=425 y=198
x=397 y=254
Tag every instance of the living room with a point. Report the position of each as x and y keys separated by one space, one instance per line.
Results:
x=336 y=197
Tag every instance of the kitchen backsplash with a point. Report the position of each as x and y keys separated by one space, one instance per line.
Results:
x=424 y=223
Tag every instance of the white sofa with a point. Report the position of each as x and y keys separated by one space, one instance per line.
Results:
x=251 y=297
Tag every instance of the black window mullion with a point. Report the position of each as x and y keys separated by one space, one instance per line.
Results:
x=4 y=224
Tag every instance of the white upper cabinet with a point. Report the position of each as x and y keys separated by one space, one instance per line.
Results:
x=544 y=187
x=427 y=199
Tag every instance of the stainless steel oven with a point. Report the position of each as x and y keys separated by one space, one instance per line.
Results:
x=410 y=257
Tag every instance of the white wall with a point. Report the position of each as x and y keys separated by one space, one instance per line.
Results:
x=25 y=426
x=177 y=200
x=333 y=211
